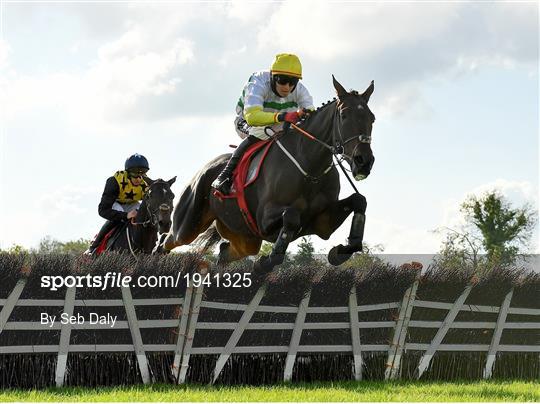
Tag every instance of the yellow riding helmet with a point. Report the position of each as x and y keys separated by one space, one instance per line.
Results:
x=288 y=64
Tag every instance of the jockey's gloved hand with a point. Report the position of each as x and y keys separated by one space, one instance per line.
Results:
x=292 y=117
x=304 y=113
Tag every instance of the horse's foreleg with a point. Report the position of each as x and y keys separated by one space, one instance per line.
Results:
x=291 y=224
x=159 y=247
x=334 y=217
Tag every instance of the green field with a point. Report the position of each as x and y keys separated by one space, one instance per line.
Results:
x=338 y=391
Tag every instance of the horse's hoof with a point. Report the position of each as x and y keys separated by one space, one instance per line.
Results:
x=262 y=266
x=337 y=256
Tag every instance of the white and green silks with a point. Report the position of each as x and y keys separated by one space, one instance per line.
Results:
x=259 y=105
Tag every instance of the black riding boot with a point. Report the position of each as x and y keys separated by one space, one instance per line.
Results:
x=223 y=182
x=107 y=227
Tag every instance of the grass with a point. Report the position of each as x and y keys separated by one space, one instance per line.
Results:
x=314 y=392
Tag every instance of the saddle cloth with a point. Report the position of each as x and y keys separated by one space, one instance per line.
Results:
x=108 y=238
x=245 y=174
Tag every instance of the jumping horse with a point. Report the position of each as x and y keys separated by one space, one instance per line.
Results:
x=297 y=190
x=141 y=234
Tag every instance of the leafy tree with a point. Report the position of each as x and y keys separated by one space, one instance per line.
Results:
x=75 y=247
x=367 y=258
x=492 y=227
x=461 y=247
x=17 y=249
x=266 y=248
x=305 y=253
x=504 y=229
x=49 y=245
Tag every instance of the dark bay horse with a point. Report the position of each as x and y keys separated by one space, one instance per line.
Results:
x=153 y=218
x=296 y=193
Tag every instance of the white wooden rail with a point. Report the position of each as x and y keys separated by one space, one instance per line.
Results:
x=395 y=351
x=187 y=324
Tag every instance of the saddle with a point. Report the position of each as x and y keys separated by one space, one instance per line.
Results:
x=246 y=173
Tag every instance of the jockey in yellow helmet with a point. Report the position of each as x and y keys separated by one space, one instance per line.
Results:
x=269 y=98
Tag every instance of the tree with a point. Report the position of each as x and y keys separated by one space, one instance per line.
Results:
x=266 y=249
x=17 y=249
x=367 y=258
x=305 y=253
x=504 y=229
x=49 y=245
x=492 y=227
x=75 y=247
x=461 y=247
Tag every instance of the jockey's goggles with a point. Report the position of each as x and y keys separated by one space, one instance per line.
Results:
x=136 y=173
x=282 y=80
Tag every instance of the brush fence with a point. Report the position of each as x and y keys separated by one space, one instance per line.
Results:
x=187 y=325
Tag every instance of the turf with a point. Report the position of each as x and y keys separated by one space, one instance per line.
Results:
x=490 y=391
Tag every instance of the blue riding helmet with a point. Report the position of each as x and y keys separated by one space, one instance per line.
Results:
x=137 y=161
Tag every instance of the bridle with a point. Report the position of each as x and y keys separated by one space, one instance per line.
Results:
x=338 y=147
x=153 y=219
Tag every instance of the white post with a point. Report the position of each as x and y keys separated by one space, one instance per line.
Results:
x=182 y=328
x=295 y=338
x=355 y=334
x=238 y=331
x=136 y=334
x=501 y=319
x=192 y=326
x=428 y=355
x=395 y=351
x=65 y=334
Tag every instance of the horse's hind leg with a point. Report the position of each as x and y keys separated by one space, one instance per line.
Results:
x=172 y=241
x=291 y=224
x=237 y=247
x=333 y=217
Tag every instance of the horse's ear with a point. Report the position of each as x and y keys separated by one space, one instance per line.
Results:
x=366 y=94
x=339 y=88
x=171 y=181
x=149 y=181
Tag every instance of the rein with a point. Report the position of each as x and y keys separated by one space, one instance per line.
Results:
x=336 y=150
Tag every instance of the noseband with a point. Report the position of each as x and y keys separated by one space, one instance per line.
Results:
x=339 y=146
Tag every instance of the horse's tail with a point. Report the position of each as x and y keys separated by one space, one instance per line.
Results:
x=192 y=215
x=207 y=240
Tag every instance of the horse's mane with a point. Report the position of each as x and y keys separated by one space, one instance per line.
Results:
x=331 y=102
x=319 y=109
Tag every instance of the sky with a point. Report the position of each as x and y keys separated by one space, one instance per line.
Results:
x=83 y=85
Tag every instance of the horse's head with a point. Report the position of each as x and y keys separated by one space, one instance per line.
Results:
x=354 y=124
x=159 y=203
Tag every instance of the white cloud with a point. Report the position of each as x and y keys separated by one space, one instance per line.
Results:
x=65 y=213
x=405 y=100
x=64 y=201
